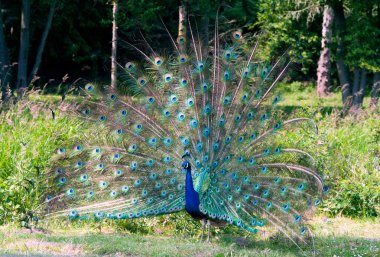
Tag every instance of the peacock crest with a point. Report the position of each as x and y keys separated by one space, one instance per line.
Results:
x=199 y=129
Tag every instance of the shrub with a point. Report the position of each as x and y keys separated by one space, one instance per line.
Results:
x=29 y=135
x=350 y=159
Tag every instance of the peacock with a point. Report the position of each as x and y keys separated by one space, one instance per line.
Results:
x=199 y=130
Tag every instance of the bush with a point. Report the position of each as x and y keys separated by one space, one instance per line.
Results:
x=350 y=160
x=29 y=135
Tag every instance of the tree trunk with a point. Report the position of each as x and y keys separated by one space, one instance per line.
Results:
x=205 y=32
x=356 y=83
x=4 y=61
x=41 y=47
x=182 y=40
x=358 y=92
x=375 y=91
x=373 y=104
x=24 y=48
x=343 y=73
x=324 y=63
x=114 y=47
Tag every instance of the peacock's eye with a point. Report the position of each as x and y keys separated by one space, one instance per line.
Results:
x=193 y=123
x=183 y=82
x=182 y=59
x=190 y=102
x=200 y=66
x=185 y=141
x=245 y=73
x=237 y=34
x=158 y=61
x=228 y=54
x=166 y=113
x=168 y=77
x=61 y=150
x=181 y=40
x=130 y=66
x=173 y=99
x=181 y=116
x=141 y=81
x=226 y=75
x=89 y=87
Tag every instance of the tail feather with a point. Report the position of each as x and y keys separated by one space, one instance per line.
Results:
x=216 y=103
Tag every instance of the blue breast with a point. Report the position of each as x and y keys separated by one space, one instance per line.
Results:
x=192 y=198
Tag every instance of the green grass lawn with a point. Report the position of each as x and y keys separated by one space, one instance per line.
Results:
x=333 y=237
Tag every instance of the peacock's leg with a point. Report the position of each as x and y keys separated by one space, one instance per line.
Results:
x=208 y=230
x=203 y=228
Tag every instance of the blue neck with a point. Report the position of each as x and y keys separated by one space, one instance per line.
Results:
x=192 y=197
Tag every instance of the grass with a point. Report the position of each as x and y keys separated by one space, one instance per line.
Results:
x=298 y=95
x=333 y=237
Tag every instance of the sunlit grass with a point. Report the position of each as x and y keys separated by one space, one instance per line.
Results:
x=305 y=95
x=339 y=237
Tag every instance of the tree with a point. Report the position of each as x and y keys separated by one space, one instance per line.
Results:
x=343 y=72
x=362 y=56
x=24 y=47
x=375 y=91
x=182 y=38
x=42 y=44
x=4 y=60
x=311 y=9
x=114 y=45
x=280 y=22
x=324 y=63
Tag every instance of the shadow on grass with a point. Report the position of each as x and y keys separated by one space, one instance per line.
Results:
x=324 y=110
x=226 y=245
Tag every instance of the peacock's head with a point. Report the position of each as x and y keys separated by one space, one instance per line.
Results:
x=186 y=164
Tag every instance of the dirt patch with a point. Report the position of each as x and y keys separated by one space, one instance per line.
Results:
x=54 y=248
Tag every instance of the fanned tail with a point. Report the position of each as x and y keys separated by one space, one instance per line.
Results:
x=219 y=104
